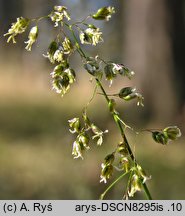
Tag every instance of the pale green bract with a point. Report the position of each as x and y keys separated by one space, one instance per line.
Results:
x=104 y=13
x=32 y=38
x=58 y=15
x=17 y=28
x=91 y=36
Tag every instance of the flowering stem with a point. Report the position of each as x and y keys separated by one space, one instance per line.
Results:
x=82 y=54
x=110 y=186
x=119 y=124
x=115 y=116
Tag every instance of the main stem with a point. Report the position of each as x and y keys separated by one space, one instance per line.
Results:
x=119 y=124
x=114 y=114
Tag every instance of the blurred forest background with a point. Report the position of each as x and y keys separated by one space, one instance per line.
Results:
x=35 y=144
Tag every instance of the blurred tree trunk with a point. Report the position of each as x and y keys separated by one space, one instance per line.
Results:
x=147 y=48
x=178 y=40
x=177 y=9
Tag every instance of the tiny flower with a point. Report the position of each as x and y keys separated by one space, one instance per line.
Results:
x=129 y=93
x=172 y=132
x=109 y=159
x=135 y=185
x=62 y=78
x=124 y=163
x=106 y=172
x=136 y=95
x=98 y=134
x=62 y=9
x=122 y=150
x=67 y=46
x=60 y=84
x=84 y=139
x=71 y=75
x=80 y=145
x=124 y=92
x=74 y=125
x=169 y=133
x=58 y=70
x=92 y=66
x=17 y=28
x=142 y=174
x=140 y=99
x=53 y=47
x=58 y=56
x=123 y=70
x=59 y=13
x=160 y=137
x=127 y=72
x=77 y=150
x=112 y=70
x=32 y=37
x=104 y=13
x=110 y=74
x=91 y=36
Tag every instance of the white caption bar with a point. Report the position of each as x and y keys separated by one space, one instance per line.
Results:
x=90 y=207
